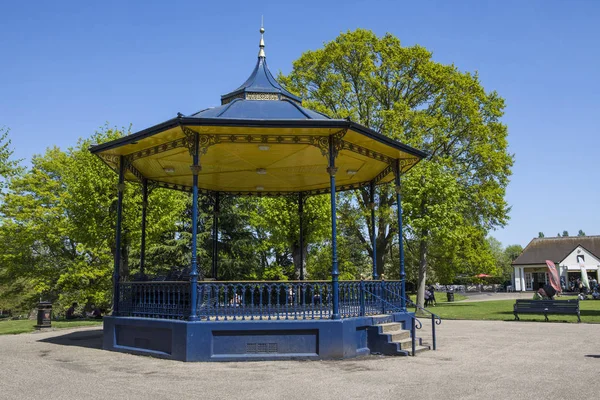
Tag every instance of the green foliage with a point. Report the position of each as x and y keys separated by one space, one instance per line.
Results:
x=540 y=235
x=457 y=194
x=58 y=225
x=9 y=167
x=513 y=251
x=581 y=233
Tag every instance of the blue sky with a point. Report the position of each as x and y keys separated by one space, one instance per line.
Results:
x=68 y=68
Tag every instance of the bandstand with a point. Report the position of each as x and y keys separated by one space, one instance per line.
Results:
x=259 y=142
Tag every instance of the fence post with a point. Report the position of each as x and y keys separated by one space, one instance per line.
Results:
x=433 y=331
x=383 y=296
x=362 y=298
x=413 y=333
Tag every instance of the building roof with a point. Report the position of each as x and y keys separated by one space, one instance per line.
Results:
x=260 y=84
x=240 y=108
x=556 y=249
x=260 y=140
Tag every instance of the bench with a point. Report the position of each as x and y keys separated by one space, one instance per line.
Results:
x=562 y=307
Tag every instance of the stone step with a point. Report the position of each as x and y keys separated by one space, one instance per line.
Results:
x=398 y=335
x=420 y=348
x=390 y=339
x=390 y=327
x=406 y=344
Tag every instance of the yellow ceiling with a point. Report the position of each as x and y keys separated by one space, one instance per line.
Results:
x=245 y=165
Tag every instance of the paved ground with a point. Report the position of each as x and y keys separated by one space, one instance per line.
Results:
x=475 y=360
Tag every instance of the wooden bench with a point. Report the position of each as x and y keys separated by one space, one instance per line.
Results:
x=562 y=307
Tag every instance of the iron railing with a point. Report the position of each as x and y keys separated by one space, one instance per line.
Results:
x=170 y=300
x=264 y=300
x=383 y=297
x=281 y=300
x=395 y=293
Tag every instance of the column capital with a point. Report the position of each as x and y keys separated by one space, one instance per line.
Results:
x=332 y=170
x=195 y=169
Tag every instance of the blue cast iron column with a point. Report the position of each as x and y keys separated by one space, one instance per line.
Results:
x=301 y=232
x=144 y=211
x=194 y=272
x=397 y=171
x=334 y=260
x=120 y=190
x=373 y=231
x=215 y=248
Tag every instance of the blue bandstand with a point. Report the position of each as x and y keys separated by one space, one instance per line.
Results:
x=259 y=142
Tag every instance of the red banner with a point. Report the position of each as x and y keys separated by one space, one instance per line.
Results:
x=553 y=275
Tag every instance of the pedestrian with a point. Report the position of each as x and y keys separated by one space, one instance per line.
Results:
x=432 y=296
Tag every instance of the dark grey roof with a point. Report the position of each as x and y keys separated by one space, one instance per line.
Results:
x=556 y=249
x=283 y=109
x=260 y=81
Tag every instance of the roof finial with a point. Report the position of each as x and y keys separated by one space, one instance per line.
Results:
x=261 y=52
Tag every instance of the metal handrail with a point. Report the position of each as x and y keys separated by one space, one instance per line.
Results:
x=414 y=319
x=435 y=319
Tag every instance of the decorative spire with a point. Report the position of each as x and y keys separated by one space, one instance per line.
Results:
x=261 y=52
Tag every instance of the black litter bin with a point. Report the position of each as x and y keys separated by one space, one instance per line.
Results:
x=450 y=296
x=44 y=315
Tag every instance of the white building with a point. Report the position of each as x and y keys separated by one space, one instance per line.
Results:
x=530 y=270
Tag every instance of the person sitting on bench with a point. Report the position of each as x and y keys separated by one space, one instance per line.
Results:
x=540 y=295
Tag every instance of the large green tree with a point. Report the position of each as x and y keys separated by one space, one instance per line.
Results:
x=58 y=224
x=12 y=291
x=404 y=94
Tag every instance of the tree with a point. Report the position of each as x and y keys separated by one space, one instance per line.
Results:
x=540 y=235
x=458 y=192
x=13 y=290
x=565 y=234
x=581 y=233
x=513 y=251
x=280 y=217
x=9 y=167
x=58 y=224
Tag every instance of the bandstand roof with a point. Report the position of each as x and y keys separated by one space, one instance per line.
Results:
x=259 y=141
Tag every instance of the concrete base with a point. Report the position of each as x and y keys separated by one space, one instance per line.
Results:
x=243 y=340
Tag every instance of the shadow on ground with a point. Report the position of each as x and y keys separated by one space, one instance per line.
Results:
x=91 y=339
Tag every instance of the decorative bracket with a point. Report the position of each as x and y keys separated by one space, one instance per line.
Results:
x=204 y=141
x=407 y=163
x=190 y=140
x=195 y=169
x=322 y=142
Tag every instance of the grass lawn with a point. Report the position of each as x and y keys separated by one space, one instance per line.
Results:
x=503 y=310
x=27 y=325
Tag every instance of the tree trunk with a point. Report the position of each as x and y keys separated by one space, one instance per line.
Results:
x=124 y=262
x=422 y=270
x=296 y=258
x=381 y=247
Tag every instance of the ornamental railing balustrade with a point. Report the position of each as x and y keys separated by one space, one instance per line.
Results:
x=166 y=300
x=243 y=301
x=231 y=301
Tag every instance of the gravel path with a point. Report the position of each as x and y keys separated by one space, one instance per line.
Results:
x=475 y=360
